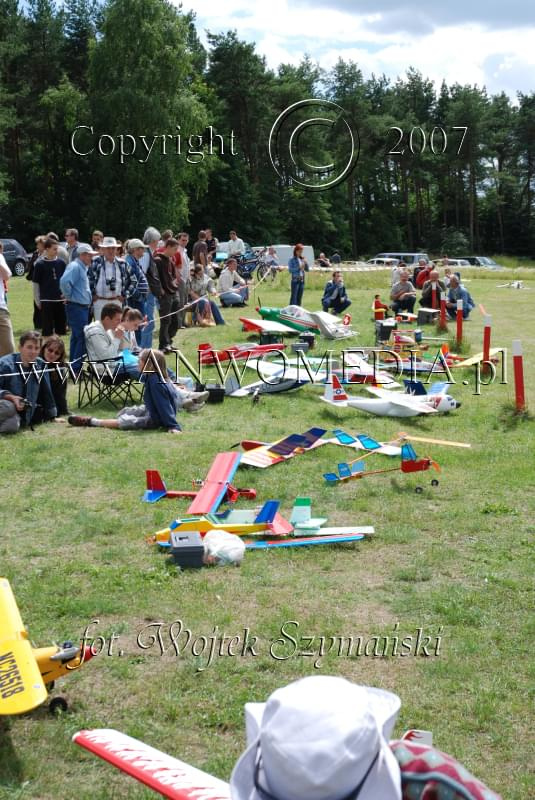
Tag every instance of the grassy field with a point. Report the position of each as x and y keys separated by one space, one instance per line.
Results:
x=456 y=562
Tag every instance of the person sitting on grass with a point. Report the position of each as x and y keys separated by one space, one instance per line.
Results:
x=25 y=393
x=403 y=294
x=426 y=299
x=162 y=399
x=53 y=352
x=335 y=295
x=233 y=290
x=456 y=292
x=200 y=287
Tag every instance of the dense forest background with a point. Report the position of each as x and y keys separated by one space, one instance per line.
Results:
x=138 y=67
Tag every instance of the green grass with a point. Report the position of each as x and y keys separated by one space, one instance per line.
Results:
x=455 y=561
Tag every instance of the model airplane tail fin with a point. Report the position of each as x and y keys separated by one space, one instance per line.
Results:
x=302 y=510
x=414 y=387
x=268 y=511
x=156 y=488
x=334 y=392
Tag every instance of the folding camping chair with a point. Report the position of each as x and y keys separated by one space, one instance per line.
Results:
x=107 y=381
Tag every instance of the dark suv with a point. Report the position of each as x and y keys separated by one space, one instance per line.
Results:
x=16 y=256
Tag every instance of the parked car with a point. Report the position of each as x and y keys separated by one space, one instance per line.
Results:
x=16 y=256
x=411 y=259
x=380 y=261
x=483 y=261
x=453 y=263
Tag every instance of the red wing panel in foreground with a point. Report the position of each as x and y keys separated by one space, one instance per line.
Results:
x=159 y=771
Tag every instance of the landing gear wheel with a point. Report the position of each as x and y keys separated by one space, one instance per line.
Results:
x=418 y=490
x=58 y=705
x=434 y=482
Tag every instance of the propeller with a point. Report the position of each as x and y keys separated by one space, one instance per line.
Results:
x=435 y=466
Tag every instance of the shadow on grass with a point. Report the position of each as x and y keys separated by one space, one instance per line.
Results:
x=11 y=773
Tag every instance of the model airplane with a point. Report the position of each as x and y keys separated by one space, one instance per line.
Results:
x=305 y=525
x=238 y=521
x=207 y=355
x=354 y=470
x=353 y=368
x=388 y=403
x=27 y=673
x=297 y=319
x=261 y=454
x=215 y=488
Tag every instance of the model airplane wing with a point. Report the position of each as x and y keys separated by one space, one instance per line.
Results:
x=469 y=362
x=266 y=326
x=330 y=326
x=159 y=771
x=402 y=400
x=21 y=684
x=268 y=454
x=215 y=485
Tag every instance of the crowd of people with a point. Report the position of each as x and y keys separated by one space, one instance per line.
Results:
x=106 y=295
x=426 y=277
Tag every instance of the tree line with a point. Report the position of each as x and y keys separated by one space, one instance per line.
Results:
x=171 y=133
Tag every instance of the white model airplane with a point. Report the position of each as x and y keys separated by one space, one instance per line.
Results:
x=354 y=369
x=387 y=403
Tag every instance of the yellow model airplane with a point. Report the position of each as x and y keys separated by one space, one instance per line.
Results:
x=28 y=673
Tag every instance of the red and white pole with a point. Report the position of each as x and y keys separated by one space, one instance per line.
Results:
x=442 y=311
x=486 y=337
x=434 y=303
x=518 y=367
x=459 y=322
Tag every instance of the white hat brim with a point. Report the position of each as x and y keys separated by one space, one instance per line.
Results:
x=384 y=781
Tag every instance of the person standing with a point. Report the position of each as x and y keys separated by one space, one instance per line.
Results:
x=7 y=343
x=71 y=237
x=297 y=266
x=199 y=253
x=47 y=274
x=183 y=275
x=110 y=278
x=74 y=285
x=169 y=302
x=151 y=238
x=138 y=299
x=236 y=247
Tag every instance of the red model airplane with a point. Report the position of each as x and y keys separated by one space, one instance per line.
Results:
x=215 y=488
x=207 y=355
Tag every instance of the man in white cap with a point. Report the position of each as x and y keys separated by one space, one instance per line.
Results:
x=320 y=738
x=74 y=285
x=110 y=278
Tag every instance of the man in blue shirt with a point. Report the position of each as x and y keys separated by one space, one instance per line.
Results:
x=74 y=285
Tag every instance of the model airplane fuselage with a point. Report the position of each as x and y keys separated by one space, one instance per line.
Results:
x=26 y=673
x=388 y=403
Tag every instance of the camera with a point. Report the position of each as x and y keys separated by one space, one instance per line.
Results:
x=112 y=284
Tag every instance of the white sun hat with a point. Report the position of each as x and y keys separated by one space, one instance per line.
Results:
x=109 y=241
x=320 y=738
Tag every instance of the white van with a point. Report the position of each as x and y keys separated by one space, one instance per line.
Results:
x=286 y=251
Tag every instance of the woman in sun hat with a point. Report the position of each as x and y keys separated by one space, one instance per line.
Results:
x=320 y=738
